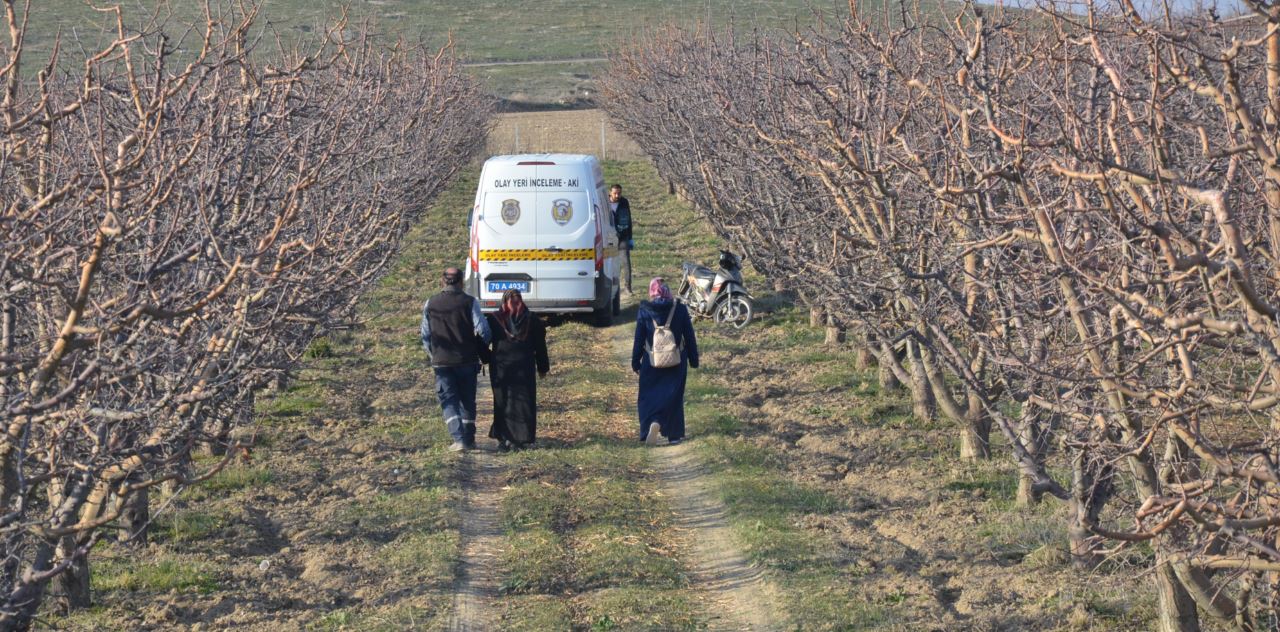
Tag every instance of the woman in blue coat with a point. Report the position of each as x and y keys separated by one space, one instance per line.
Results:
x=661 y=398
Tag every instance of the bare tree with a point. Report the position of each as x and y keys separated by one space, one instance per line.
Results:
x=1057 y=226
x=182 y=215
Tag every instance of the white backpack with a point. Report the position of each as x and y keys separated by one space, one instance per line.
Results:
x=664 y=352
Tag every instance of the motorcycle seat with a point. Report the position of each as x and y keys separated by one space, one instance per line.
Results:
x=702 y=273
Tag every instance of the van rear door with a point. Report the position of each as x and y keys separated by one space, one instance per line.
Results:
x=508 y=248
x=566 y=236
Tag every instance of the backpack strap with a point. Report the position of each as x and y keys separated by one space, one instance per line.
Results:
x=670 y=315
x=647 y=347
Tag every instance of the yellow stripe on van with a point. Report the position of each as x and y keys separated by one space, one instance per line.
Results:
x=530 y=254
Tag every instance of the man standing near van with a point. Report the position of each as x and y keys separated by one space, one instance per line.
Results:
x=622 y=222
x=453 y=332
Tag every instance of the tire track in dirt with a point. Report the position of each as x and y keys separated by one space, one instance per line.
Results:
x=742 y=598
x=480 y=475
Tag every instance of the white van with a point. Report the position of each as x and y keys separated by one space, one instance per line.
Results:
x=541 y=224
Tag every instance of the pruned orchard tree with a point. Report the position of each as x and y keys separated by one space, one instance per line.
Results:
x=1059 y=226
x=181 y=213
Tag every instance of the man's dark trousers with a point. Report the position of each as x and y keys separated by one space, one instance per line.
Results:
x=456 y=389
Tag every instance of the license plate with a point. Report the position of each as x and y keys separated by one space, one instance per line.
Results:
x=503 y=286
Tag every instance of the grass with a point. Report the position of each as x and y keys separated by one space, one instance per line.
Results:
x=535 y=561
x=425 y=558
x=577 y=529
x=412 y=617
x=641 y=608
x=156 y=576
x=187 y=526
x=610 y=554
x=236 y=477
x=484 y=31
x=417 y=510
x=536 y=613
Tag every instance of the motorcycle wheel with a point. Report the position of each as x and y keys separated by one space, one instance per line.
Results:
x=734 y=311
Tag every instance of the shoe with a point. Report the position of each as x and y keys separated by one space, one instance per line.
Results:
x=470 y=445
x=457 y=446
x=503 y=446
x=655 y=433
x=674 y=441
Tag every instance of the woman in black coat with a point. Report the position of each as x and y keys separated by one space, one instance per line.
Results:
x=518 y=349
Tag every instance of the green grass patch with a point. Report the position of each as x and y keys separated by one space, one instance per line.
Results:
x=414 y=434
x=535 y=561
x=299 y=399
x=609 y=555
x=535 y=613
x=701 y=390
x=986 y=480
x=591 y=459
x=608 y=500
x=156 y=576
x=420 y=510
x=535 y=504
x=824 y=600
x=319 y=348
x=236 y=477
x=641 y=608
x=187 y=526
x=708 y=418
x=838 y=377
x=408 y=617
x=427 y=558
x=1014 y=534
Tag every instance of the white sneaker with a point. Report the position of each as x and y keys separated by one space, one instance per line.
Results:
x=457 y=446
x=655 y=434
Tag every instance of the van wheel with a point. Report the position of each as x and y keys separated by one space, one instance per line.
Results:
x=602 y=317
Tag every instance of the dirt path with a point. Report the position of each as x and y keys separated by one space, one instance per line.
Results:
x=481 y=534
x=740 y=596
x=743 y=598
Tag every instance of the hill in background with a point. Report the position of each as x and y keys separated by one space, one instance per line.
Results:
x=530 y=54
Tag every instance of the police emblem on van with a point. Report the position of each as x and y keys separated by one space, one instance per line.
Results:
x=562 y=211
x=511 y=211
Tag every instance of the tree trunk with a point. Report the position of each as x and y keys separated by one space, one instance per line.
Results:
x=1029 y=435
x=892 y=374
x=1177 y=609
x=70 y=588
x=136 y=519
x=27 y=595
x=835 y=335
x=1090 y=491
x=923 y=405
x=888 y=380
x=865 y=355
x=863 y=359
x=975 y=441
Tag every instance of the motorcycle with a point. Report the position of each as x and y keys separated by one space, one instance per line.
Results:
x=720 y=295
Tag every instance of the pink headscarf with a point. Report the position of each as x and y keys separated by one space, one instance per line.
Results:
x=658 y=289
